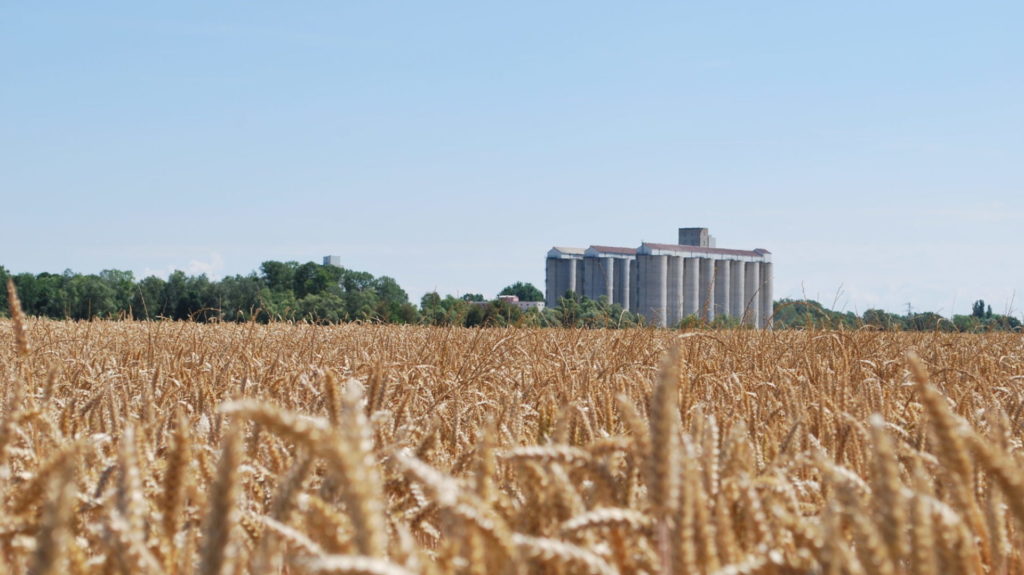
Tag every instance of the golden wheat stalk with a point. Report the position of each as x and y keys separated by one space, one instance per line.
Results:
x=556 y=552
x=352 y=565
x=21 y=346
x=53 y=535
x=217 y=554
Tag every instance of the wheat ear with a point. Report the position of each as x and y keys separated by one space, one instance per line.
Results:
x=53 y=532
x=21 y=346
x=216 y=555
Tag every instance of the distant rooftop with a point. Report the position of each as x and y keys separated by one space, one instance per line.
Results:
x=611 y=250
x=565 y=252
x=648 y=248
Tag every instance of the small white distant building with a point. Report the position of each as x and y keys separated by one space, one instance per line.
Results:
x=332 y=261
x=522 y=305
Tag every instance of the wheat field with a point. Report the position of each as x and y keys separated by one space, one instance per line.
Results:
x=179 y=448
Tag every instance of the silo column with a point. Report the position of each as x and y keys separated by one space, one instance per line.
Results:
x=623 y=273
x=767 y=303
x=721 y=288
x=737 y=303
x=570 y=283
x=653 y=275
x=591 y=288
x=551 y=283
x=691 y=287
x=674 y=296
x=752 y=292
x=608 y=267
x=634 y=286
x=707 y=288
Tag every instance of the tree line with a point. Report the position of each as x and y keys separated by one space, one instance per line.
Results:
x=290 y=291
x=572 y=311
x=281 y=291
x=809 y=313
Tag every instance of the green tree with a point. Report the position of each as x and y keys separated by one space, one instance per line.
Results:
x=998 y=322
x=524 y=291
x=240 y=298
x=28 y=292
x=322 y=308
x=357 y=291
x=929 y=321
x=89 y=296
x=313 y=278
x=278 y=305
x=281 y=291
x=201 y=302
x=4 y=274
x=189 y=297
x=456 y=310
x=725 y=321
x=123 y=285
x=569 y=308
x=44 y=294
x=392 y=302
x=147 y=298
x=882 y=319
x=804 y=313
x=448 y=311
x=968 y=323
x=431 y=310
x=279 y=276
x=492 y=314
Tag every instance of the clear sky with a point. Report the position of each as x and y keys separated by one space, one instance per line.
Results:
x=876 y=148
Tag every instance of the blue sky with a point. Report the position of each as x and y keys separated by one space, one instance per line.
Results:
x=874 y=147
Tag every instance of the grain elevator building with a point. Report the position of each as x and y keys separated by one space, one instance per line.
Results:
x=668 y=282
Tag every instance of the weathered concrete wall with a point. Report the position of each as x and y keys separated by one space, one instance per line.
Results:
x=737 y=303
x=691 y=287
x=623 y=274
x=722 y=276
x=593 y=280
x=653 y=276
x=608 y=276
x=767 y=301
x=675 y=290
x=561 y=277
x=634 y=286
x=752 y=293
x=707 y=288
x=550 y=282
x=694 y=237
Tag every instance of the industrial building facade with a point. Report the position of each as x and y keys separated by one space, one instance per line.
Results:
x=668 y=282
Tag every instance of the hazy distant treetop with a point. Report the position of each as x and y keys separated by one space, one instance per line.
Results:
x=524 y=291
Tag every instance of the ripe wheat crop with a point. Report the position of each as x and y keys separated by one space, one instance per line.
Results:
x=184 y=448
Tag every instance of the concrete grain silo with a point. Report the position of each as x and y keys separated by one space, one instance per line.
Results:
x=668 y=282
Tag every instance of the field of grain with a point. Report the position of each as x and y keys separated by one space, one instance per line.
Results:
x=188 y=448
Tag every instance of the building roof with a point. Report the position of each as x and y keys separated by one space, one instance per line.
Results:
x=594 y=250
x=648 y=248
x=565 y=252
